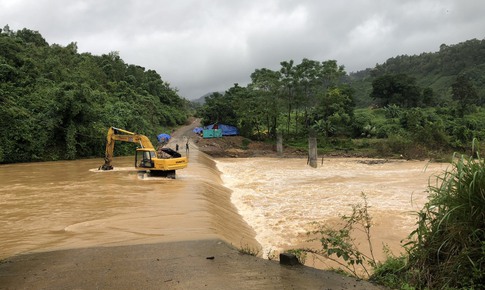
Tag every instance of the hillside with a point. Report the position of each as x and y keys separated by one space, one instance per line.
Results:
x=435 y=70
x=57 y=103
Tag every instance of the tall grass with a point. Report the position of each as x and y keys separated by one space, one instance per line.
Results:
x=447 y=250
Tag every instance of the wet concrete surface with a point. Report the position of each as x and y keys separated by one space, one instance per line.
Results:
x=201 y=264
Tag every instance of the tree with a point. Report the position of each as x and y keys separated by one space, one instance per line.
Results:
x=265 y=84
x=218 y=108
x=398 y=89
x=289 y=86
x=56 y=103
x=465 y=94
x=309 y=75
x=336 y=110
x=34 y=37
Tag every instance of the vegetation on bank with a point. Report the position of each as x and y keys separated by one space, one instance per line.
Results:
x=56 y=103
x=385 y=111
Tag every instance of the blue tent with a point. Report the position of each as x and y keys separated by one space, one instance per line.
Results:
x=163 y=137
x=197 y=130
x=227 y=130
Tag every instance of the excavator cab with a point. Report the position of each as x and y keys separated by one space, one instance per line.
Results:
x=143 y=158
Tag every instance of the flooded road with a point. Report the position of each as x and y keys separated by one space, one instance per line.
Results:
x=70 y=204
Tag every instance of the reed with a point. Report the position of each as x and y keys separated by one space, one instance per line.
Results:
x=447 y=249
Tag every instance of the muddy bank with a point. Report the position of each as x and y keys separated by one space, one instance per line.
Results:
x=241 y=147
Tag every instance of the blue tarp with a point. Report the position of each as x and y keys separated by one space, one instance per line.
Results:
x=227 y=130
x=163 y=137
x=198 y=130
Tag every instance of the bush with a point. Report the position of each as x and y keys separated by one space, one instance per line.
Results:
x=448 y=246
x=391 y=273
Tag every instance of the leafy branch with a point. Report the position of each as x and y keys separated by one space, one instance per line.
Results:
x=339 y=246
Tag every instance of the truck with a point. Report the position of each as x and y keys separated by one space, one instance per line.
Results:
x=161 y=162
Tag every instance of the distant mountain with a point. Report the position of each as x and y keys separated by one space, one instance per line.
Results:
x=201 y=100
x=436 y=70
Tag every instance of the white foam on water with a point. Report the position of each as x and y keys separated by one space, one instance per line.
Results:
x=280 y=197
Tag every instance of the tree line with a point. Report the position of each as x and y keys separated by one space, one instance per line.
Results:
x=400 y=114
x=433 y=70
x=57 y=103
x=291 y=100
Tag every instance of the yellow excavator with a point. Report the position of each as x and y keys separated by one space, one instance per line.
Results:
x=161 y=162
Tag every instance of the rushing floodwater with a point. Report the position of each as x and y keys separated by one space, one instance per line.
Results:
x=280 y=197
x=70 y=204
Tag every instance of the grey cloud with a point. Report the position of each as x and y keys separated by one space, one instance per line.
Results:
x=201 y=46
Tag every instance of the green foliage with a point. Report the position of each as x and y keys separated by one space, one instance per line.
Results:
x=218 y=109
x=248 y=250
x=465 y=94
x=433 y=71
x=392 y=272
x=320 y=97
x=335 y=111
x=398 y=89
x=419 y=132
x=57 y=104
x=450 y=233
x=290 y=100
x=300 y=254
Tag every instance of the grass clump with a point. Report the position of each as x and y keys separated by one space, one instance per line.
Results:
x=447 y=250
x=248 y=250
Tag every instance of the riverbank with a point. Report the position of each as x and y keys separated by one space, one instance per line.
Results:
x=240 y=147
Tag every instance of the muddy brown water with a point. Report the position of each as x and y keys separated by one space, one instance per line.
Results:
x=70 y=204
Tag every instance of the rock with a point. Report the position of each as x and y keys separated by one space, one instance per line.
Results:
x=288 y=259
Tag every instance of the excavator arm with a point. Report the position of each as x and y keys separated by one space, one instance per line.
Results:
x=116 y=134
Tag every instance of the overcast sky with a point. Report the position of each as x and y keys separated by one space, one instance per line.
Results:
x=201 y=46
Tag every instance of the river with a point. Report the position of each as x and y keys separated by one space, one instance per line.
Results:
x=70 y=204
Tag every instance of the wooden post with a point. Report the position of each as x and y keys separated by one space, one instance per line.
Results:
x=312 y=152
x=279 y=143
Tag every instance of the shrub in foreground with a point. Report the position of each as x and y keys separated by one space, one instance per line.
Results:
x=448 y=246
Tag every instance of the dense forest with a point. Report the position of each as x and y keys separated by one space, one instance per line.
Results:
x=57 y=103
x=433 y=70
x=412 y=106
